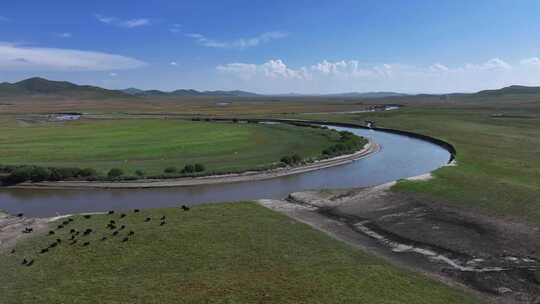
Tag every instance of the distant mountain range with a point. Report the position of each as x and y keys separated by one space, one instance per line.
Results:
x=369 y=94
x=511 y=90
x=41 y=86
x=188 y=92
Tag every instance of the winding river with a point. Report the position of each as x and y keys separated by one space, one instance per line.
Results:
x=400 y=157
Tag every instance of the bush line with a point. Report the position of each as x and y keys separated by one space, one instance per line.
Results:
x=15 y=174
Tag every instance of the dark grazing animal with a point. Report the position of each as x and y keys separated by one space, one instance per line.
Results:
x=162 y=218
x=20 y=215
x=72 y=237
x=24 y=262
x=125 y=239
x=44 y=250
x=123 y=215
x=185 y=208
x=87 y=231
x=136 y=210
x=58 y=241
x=104 y=238
x=72 y=231
x=147 y=219
x=131 y=233
x=30 y=263
x=28 y=230
x=112 y=222
x=111 y=212
x=12 y=251
x=73 y=242
x=60 y=226
x=115 y=233
x=70 y=219
x=65 y=223
x=53 y=245
x=162 y=223
x=122 y=227
x=51 y=232
x=86 y=243
x=87 y=216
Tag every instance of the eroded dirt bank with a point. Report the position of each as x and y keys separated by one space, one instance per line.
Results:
x=496 y=257
x=15 y=228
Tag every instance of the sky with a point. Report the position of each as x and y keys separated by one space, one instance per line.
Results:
x=274 y=47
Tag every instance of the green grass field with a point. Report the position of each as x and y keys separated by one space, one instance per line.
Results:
x=498 y=158
x=155 y=144
x=227 y=253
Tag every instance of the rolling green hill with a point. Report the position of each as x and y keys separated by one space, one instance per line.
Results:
x=41 y=86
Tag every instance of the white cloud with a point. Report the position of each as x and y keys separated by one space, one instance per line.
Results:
x=353 y=75
x=15 y=57
x=112 y=74
x=64 y=35
x=533 y=61
x=242 y=70
x=241 y=43
x=439 y=67
x=273 y=69
x=174 y=63
x=129 y=23
x=175 y=28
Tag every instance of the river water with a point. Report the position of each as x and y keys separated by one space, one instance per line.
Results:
x=400 y=157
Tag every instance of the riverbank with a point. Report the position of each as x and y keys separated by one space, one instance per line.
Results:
x=495 y=257
x=369 y=149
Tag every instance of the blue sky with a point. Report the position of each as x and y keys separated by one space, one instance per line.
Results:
x=274 y=46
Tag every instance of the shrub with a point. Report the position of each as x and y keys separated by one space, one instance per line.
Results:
x=65 y=173
x=140 y=173
x=235 y=120
x=286 y=160
x=39 y=174
x=115 y=173
x=170 y=170
x=88 y=172
x=199 y=168
x=55 y=175
x=19 y=175
x=296 y=158
x=188 y=169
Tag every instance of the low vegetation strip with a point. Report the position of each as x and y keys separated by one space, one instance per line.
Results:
x=227 y=253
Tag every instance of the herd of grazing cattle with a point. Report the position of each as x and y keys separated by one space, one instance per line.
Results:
x=112 y=230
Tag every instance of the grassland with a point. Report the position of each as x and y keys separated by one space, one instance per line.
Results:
x=229 y=253
x=154 y=144
x=498 y=169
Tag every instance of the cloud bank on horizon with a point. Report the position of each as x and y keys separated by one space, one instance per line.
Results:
x=276 y=47
x=14 y=57
x=349 y=75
